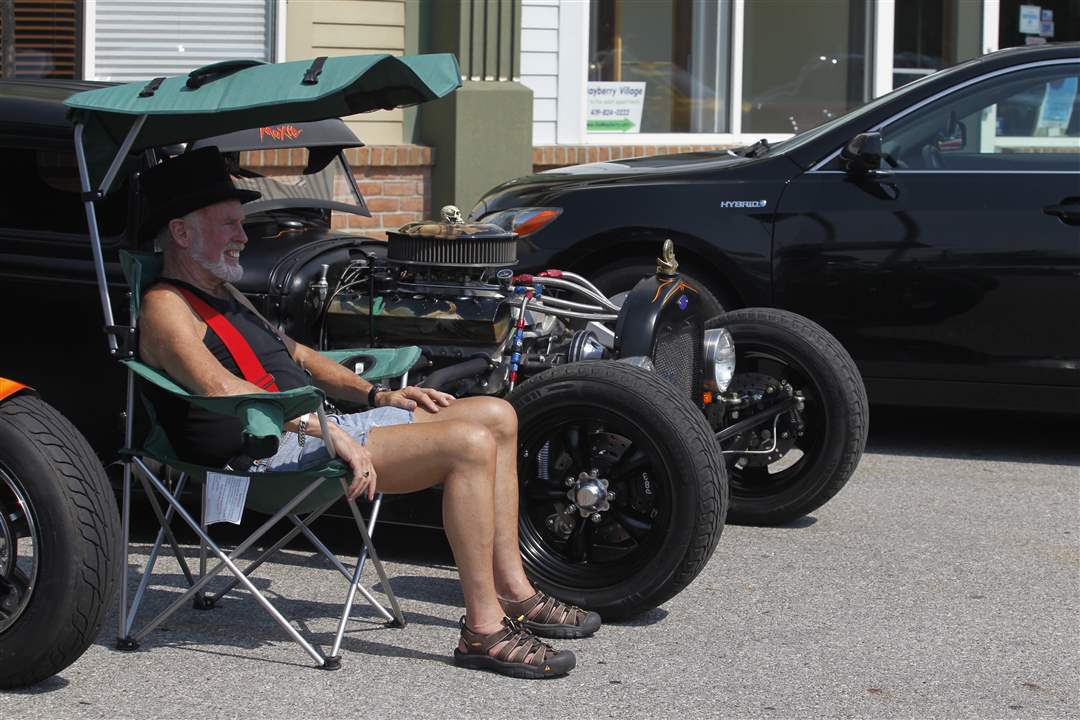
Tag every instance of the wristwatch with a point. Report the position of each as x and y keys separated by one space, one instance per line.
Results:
x=376 y=388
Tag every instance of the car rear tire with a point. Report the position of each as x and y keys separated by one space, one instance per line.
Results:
x=61 y=527
x=785 y=347
x=662 y=463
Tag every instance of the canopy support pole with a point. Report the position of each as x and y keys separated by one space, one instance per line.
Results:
x=121 y=154
x=91 y=214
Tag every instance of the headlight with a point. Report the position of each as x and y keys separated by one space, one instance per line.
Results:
x=523 y=221
x=719 y=359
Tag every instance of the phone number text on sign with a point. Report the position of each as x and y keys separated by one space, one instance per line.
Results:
x=614 y=107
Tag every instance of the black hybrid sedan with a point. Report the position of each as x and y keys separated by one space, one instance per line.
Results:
x=935 y=231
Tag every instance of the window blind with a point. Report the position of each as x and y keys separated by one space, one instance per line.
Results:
x=141 y=40
x=39 y=38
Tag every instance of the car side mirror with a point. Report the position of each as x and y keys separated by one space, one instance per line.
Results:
x=863 y=156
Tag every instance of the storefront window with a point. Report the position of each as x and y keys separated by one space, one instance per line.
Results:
x=1034 y=22
x=930 y=35
x=803 y=63
x=658 y=67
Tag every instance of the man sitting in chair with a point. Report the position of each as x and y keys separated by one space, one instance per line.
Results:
x=410 y=439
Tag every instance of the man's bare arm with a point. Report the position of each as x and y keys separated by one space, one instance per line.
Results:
x=338 y=381
x=170 y=339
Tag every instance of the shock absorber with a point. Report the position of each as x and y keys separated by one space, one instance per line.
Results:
x=526 y=293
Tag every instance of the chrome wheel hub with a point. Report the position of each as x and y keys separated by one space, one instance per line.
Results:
x=590 y=494
x=20 y=550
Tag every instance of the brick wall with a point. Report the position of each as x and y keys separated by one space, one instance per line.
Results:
x=546 y=157
x=395 y=180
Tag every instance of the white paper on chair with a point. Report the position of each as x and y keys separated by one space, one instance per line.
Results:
x=225 y=496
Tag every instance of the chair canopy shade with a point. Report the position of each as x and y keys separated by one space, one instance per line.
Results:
x=247 y=94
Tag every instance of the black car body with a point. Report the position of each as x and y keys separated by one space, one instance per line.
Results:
x=47 y=279
x=951 y=274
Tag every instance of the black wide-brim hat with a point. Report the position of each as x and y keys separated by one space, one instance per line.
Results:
x=184 y=184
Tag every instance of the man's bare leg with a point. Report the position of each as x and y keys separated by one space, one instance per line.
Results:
x=500 y=419
x=461 y=455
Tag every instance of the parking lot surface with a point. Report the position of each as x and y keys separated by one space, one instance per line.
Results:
x=944 y=581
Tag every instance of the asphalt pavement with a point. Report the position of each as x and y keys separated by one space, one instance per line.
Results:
x=943 y=581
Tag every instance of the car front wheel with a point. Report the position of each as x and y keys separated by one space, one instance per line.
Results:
x=811 y=412
x=623 y=490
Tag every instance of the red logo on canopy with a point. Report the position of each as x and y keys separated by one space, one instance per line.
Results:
x=280 y=133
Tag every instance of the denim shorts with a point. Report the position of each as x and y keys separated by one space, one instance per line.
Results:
x=290 y=456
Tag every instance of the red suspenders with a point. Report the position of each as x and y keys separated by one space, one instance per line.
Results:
x=238 y=347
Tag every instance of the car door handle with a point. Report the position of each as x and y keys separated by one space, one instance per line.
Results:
x=1068 y=211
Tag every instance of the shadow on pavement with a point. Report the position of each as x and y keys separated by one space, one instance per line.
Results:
x=975 y=434
x=44 y=687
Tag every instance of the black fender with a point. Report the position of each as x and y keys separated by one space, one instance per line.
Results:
x=661 y=318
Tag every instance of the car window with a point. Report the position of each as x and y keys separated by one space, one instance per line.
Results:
x=43 y=194
x=1026 y=120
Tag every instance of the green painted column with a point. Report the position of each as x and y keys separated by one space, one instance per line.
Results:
x=482 y=134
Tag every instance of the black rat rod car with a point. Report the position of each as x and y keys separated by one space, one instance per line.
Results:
x=624 y=491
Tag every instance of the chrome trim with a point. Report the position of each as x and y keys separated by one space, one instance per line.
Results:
x=962 y=172
x=926 y=101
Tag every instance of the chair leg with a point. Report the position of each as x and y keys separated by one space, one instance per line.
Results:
x=201 y=601
x=226 y=562
x=151 y=562
x=369 y=548
x=349 y=575
x=123 y=629
x=270 y=551
x=165 y=525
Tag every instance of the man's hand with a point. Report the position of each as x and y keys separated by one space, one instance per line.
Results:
x=409 y=398
x=359 y=461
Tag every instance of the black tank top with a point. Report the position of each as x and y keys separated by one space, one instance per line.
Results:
x=206 y=438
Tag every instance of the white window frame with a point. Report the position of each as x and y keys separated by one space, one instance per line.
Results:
x=574 y=55
x=89 y=34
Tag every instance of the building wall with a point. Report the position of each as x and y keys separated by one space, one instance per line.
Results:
x=540 y=64
x=350 y=27
x=394 y=177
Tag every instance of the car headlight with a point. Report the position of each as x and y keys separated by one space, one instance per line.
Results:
x=719 y=359
x=523 y=221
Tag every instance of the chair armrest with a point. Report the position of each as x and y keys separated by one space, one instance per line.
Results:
x=262 y=414
x=379 y=363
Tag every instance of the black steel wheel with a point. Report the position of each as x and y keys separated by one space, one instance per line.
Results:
x=812 y=411
x=59 y=539
x=623 y=491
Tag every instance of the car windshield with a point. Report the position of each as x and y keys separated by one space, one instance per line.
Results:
x=810 y=135
x=321 y=180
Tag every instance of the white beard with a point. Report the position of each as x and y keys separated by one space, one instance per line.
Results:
x=220 y=269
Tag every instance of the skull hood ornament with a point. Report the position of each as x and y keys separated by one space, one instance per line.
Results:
x=666 y=264
x=451 y=215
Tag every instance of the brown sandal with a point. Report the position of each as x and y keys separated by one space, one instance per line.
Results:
x=521 y=656
x=547 y=617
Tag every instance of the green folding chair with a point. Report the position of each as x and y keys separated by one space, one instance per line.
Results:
x=300 y=496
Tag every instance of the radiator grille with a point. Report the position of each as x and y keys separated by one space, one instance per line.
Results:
x=677 y=357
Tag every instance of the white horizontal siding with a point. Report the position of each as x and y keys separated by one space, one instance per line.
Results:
x=142 y=40
x=544 y=133
x=543 y=86
x=536 y=37
x=540 y=64
x=544 y=110
x=544 y=17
